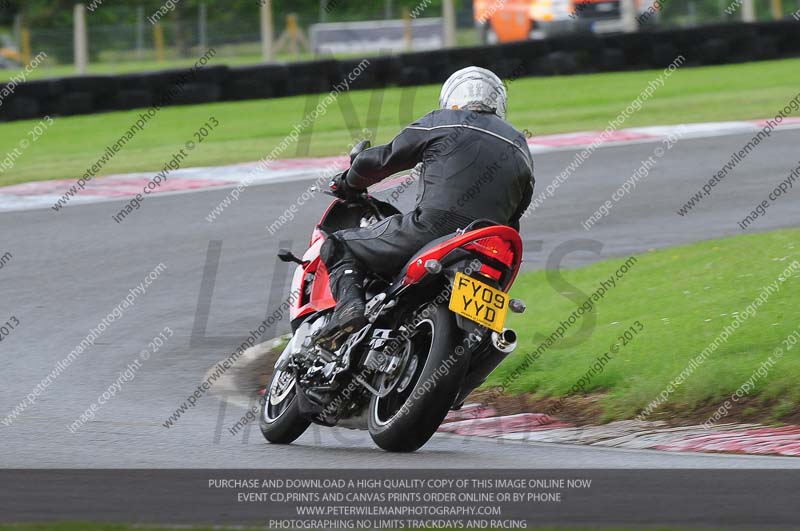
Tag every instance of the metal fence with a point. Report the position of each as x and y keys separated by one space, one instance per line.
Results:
x=198 y=29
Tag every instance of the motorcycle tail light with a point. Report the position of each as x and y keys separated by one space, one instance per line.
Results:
x=490 y=272
x=494 y=247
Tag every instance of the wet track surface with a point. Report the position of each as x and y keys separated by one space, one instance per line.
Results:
x=70 y=269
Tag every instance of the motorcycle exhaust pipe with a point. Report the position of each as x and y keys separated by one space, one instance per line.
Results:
x=505 y=341
x=503 y=344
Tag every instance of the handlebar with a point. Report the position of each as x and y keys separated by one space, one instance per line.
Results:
x=366 y=200
x=363 y=199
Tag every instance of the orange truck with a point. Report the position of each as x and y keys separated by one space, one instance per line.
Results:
x=516 y=20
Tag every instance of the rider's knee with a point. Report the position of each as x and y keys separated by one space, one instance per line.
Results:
x=331 y=252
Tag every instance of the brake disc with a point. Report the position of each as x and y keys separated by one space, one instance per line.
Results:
x=403 y=375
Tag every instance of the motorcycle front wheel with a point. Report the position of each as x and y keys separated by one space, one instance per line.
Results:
x=280 y=419
x=414 y=402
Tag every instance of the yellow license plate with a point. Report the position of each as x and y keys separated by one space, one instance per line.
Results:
x=479 y=302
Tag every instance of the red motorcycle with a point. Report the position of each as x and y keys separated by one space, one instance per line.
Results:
x=435 y=332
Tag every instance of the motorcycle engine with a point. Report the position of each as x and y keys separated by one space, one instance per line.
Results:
x=301 y=349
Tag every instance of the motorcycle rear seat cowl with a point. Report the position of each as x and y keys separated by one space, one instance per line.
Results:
x=475 y=225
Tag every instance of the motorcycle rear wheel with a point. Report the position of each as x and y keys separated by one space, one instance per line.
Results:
x=408 y=416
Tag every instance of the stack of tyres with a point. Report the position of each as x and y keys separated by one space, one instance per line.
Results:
x=524 y=57
x=360 y=74
x=581 y=53
x=482 y=56
x=670 y=45
x=191 y=86
x=136 y=91
x=421 y=68
x=32 y=100
x=256 y=82
x=87 y=94
x=386 y=70
x=312 y=77
x=630 y=51
x=783 y=35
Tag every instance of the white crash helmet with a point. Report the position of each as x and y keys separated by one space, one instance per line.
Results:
x=474 y=88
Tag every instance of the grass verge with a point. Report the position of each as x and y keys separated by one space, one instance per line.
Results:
x=684 y=297
x=250 y=130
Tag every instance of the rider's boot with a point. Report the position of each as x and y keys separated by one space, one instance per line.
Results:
x=348 y=290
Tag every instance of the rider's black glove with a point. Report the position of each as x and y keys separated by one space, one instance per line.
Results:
x=342 y=190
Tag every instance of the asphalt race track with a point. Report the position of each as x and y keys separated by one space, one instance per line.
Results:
x=71 y=268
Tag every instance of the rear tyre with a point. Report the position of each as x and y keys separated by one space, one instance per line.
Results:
x=424 y=389
x=280 y=419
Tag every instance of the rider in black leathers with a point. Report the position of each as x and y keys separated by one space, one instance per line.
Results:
x=475 y=165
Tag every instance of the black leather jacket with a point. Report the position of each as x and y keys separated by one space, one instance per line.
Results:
x=475 y=164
